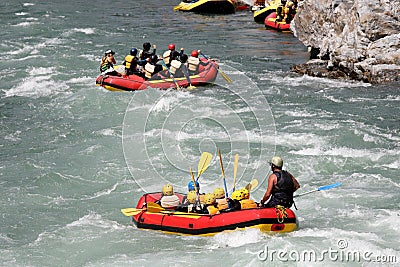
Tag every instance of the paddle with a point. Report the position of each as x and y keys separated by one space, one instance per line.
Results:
x=235 y=167
x=154 y=207
x=325 y=187
x=204 y=162
x=229 y=80
x=131 y=211
x=253 y=184
x=170 y=75
x=186 y=73
x=223 y=173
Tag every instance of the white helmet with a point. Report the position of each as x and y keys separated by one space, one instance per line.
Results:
x=277 y=161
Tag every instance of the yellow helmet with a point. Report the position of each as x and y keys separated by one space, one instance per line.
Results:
x=219 y=192
x=237 y=195
x=209 y=199
x=245 y=193
x=191 y=196
x=168 y=190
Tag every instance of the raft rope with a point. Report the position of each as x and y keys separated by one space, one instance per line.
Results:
x=281 y=213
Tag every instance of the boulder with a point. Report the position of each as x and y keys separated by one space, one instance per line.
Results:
x=357 y=40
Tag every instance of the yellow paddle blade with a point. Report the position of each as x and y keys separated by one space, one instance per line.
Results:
x=131 y=211
x=226 y=78
x=235 y=167
x=204 y=162
x=154 y=207
x=253 y=184
x=191 y=87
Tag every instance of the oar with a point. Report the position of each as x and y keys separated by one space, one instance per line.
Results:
x=325 y=187
x=151 y=207
x=204 y=162
x=194 y=182
x=229 y=80
x=131 y=211
x=253 y=184
x=235 y=167
x=154 y=207
x=223 y=173
x=170 y=75
x=186 y=73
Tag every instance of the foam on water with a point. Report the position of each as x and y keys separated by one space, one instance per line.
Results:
x=38 y=84
x=65 y=174
x=310 y=81
x=236 y=238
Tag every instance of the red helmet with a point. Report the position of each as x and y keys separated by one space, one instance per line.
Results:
x=171 y=47
x=195 y=53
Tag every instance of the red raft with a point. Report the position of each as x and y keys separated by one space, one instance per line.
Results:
x=269 y=220
x=271 y=23
x=207 y=74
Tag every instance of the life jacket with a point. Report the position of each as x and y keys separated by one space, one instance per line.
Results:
x=149 y=70
x=247 y=204
x=193 y=63
x=284 y=188
x=222 y=204
x=128 y=61
x=105 y=65
x=167 y=57
x=145 y=54
x=212 y=210
x=175 y=65
x=170 y=201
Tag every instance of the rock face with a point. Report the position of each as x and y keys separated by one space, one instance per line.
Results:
x=348 y=39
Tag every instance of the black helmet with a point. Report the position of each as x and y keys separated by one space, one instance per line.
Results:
x=133 y=51
x=146 y=46
x=184 y=58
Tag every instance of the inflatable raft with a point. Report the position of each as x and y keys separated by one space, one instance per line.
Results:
x=260 y=14
x=271 y=23
x=207 y=6
x=207 y=74
x=269 y=220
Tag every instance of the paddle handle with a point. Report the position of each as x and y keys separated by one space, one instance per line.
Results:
x=321 y=188
x=306 y=193
x=223 y=173
x=170 y=74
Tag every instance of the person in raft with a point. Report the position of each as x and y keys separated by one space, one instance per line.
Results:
x=132 y=62
x=220 y=198
x=190 y=203
x=107 y=63
x=281 y=186
x=210 y=205
x=194 y=62
x=169 y=200
x=243 y=197
x=192 y=187
x=145 y=53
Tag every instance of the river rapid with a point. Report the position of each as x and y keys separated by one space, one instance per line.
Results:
x=73 y=154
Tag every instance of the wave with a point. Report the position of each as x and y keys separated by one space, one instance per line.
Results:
x=38 y=84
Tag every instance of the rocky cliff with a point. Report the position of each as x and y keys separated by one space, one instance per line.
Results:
x=357 y=39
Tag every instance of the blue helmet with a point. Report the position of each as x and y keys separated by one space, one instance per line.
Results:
x=133 y=51
x=191 y=186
